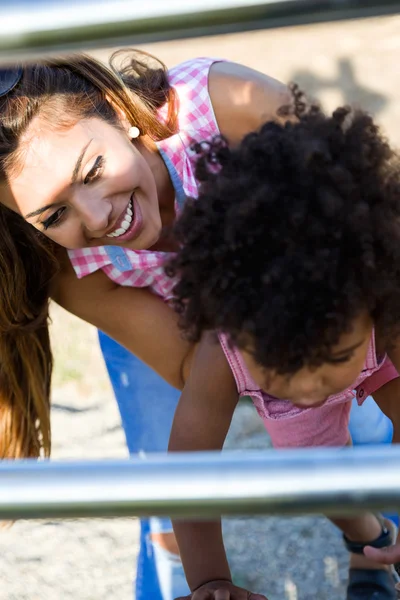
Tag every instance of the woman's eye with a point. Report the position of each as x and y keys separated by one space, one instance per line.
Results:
x=95 y=171
x=55 y=219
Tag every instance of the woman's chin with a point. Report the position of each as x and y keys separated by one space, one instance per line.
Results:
x=149 y=237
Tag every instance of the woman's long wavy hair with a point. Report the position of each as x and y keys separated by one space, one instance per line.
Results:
x=62 y=92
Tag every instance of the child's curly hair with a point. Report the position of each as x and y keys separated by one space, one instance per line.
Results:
x=294 y=234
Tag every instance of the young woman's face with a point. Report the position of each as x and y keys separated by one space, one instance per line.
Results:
x=311 y=387
x=87 y=185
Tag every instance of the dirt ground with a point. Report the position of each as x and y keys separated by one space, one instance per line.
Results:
x=349 y=62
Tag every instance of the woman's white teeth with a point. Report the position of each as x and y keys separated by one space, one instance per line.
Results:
x=125 y=223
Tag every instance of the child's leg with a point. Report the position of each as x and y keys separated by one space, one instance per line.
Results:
x=368 y=579
x=363 y=528
x=328 y=426
x=366 y=529
x=147 y=405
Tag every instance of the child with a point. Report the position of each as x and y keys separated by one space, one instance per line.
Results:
x=292 y=254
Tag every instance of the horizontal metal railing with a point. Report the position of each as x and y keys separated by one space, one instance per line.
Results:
x=211 y=484
x=31 y=28
x=330 y=481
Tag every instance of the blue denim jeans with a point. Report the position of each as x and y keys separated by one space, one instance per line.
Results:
x=368 y=425
x=146 y=404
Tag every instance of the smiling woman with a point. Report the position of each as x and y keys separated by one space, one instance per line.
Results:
x=98 y=175
x=70 y=167
x=98 y=162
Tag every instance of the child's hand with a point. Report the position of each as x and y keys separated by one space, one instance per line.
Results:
x=222 y=590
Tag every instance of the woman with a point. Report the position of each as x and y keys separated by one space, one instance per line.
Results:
x=100 y=159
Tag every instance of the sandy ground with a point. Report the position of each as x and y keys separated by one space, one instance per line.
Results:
x=355 y=61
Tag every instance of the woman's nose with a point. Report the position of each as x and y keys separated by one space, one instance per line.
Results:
x=94 y=213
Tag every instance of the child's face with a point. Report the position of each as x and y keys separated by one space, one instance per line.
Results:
x=312 y=386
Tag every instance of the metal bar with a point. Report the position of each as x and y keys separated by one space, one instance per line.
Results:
x=33 y=28
x=330 y=481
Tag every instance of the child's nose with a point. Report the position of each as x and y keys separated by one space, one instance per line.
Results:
x=310 y=402
x=310 y=393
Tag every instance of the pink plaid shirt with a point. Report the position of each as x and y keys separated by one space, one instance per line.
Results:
x=196 y=123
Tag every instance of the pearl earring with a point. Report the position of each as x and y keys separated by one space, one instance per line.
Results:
x=133 y=132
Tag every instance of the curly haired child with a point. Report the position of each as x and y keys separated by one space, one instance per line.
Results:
x=291 y=254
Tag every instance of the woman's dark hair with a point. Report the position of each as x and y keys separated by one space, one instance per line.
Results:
x=294 y=234
x=61 y=92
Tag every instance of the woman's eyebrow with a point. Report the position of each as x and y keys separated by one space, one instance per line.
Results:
x=79 y=162
x=39 y=211
x=75 y=173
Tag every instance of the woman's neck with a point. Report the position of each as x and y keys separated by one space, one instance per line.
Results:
x=165 y=193
x=164 y=185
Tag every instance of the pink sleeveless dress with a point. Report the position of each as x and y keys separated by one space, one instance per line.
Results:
x=287 y=425
x=327 y=425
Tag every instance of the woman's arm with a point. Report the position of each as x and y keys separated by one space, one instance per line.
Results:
x=134 y=317
x=244 y=99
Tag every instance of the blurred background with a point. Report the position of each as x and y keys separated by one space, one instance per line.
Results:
x=292 y=559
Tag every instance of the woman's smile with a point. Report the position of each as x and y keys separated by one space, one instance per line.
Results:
x=129 y=224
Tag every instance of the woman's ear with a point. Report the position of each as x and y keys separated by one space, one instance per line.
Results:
x=120 y=112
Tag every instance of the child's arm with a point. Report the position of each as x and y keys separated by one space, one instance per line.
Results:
x=201 y=422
